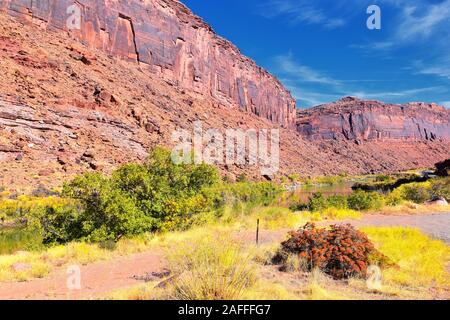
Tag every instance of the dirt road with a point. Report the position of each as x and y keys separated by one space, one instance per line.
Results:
x=435 y=225
x=95 y=279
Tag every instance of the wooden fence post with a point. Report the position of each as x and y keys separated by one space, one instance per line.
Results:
x=257 y=232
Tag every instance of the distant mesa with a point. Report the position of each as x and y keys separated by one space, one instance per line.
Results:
x=351 y=118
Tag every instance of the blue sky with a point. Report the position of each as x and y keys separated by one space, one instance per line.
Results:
x=322 y=49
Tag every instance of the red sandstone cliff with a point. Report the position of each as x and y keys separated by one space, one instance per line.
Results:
x=354 y=119
x=67 y=108
x=175 y=45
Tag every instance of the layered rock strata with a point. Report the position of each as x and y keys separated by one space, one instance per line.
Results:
x=175 y=45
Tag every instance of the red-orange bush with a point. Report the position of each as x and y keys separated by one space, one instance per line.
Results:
x=340 y=251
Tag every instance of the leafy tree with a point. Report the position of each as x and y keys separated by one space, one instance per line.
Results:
x=158 y=195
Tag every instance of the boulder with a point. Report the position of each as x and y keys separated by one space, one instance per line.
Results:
x=19 y=267
x=440 y=201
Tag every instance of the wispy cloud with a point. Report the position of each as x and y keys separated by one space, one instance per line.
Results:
x=416 y=22
x=286 y=65
x=445 y=104
x=300 y=11
x=422 y=22
x=383 y=95
x=306 y=96
x=439 y=67
x=312 y=87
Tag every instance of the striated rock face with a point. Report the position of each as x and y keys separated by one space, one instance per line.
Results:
x=176 y=45
x=354 y=119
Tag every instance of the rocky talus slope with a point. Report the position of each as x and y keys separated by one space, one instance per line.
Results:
x=67 y=108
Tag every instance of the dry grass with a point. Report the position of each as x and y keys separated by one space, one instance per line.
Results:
x=216 y=268
x=146 y=291
x=40 y=264
x=421 y=261
x=208 y=263
x=410 y=208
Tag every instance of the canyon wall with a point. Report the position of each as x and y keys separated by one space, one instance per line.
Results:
x=354 y=119
x=175 y=44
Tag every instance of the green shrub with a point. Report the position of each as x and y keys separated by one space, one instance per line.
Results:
x=362 y=200
x=242 y=178
x=417 y=192
x=22 y=208
x=394 y=199
x=257 y=194
x=337 y=201
x=388 y=183
x=158 y=195
x=441 y=188
x=317 y=202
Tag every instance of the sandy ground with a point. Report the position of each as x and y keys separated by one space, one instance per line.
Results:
x=96 y=279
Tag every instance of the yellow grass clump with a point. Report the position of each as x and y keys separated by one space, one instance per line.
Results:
x=421 y=261
x=216 y=268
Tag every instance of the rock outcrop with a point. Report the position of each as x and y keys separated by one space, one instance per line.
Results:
x=175 y=45
x=360 y=120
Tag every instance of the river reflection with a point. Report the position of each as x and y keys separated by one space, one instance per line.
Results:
x=304 y=192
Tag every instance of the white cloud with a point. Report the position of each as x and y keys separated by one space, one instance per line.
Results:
x=438 y=70
x=421 y=22
x=287 y=66
x=300 y=11
x=312 y=87
x=417 y=21
x=409 y=93
x=309 y=98
x=445 y=104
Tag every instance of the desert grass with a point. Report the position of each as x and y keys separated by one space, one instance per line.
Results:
x=38 y=264
x=332 y=214
x=421 y=261
x=16 y=239
x=144 y=291
x=210 y=263
x=216 y=268
x=410 y=208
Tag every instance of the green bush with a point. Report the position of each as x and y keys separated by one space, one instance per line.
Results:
x=337 y=201
x=257 y=193
x=441 y=188
x=362 y=200
x=158 y=195
x=394 y=199
x=317 y=202
x=418 y=192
